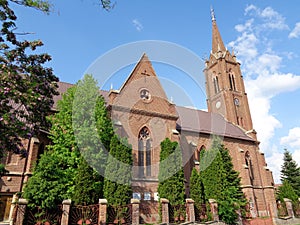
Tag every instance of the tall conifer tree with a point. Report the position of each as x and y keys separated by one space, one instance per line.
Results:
x=171 y=175
x=62 y=171
x=290 y=171
x=117 y=185
x=222 y=182
x=53 y=176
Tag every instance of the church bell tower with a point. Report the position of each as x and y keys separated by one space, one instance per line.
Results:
x=225 y=85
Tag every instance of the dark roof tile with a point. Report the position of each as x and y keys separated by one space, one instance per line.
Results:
x=199 y=121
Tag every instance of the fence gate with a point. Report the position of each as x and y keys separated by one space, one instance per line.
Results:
x=84 y=215
x=37 y=216
x=119 y=214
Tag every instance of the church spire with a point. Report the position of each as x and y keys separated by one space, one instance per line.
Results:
x=217 y=42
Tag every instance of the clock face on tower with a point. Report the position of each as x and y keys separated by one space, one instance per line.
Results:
x=236 y=101
x=218 y=104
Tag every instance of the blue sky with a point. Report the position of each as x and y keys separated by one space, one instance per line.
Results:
x=264 y=34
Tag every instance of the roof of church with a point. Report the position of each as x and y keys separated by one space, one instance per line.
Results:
x=200 y=121
x=63 y=87
x=192 y=120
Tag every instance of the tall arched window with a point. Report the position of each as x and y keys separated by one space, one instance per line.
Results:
x=232 y=82
x=249 y=165
x=144 y=152
x=216 y=84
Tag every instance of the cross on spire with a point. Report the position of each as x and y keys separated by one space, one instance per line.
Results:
x=212 y=13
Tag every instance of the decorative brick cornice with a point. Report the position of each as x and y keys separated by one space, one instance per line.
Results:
x=143 y=112
x=257 y=187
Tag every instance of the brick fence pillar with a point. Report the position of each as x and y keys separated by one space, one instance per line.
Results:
x=102 y=211
x=66 y=211
x=13 y=209
x=289 y=207
x=20 y=211
x=164 y=210
x=214 y=209
x=135 y=203
x=190 y=210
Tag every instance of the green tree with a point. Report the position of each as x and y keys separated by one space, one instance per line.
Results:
x=197 y=188
x=222 y=183
x=53 y=176
x=52 y=180
x=287 y=191
x=92 y=126
x=3 y=171
x=63 y=164
x=26 y=85
x=117 y=184
x=290 y=171
x=234 y=197
x=171 y=176
x=89 y=185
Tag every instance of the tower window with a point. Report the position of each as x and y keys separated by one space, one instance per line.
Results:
x=144 y=152
x=232 y=82
x=216 y=84
x=250 y=166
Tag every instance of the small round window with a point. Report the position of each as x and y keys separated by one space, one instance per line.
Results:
x=145 y=95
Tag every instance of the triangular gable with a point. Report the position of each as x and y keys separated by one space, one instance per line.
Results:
x=141 y=70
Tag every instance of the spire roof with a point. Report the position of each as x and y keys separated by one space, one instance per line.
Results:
x=217 y=42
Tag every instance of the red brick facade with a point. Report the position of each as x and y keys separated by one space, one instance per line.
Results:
x=142 y=113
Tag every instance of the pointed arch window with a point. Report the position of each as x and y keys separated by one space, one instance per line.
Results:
x=144 y=152
x=216 y=84
x=232 y=82
x=250 y=166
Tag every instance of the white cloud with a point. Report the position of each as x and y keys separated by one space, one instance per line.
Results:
x=293 y=138
x=263 y=79
x=269 y=84
x=245 y=45
x=295 y=33
x=271 y=18
x=275 y=161
x=243 y=27
x=264 y=122
x=250 y=8
x=292 y=143
x=296 y=156
x=137 y=24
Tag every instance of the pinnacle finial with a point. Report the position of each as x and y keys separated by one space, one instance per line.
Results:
x=212 y=13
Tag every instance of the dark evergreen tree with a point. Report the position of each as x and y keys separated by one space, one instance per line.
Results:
x=197 y=188
x=171 y=176
x=222 y=183
x=198 y=195
x=290 y=171
x=117 y=184
x=89 y=185
x=287 y=191
x=213 y=176
x=234 y=197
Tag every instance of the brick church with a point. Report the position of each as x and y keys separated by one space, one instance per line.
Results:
x=142 y=112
